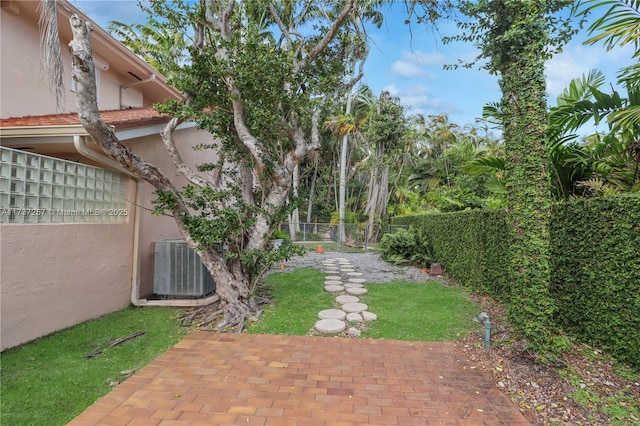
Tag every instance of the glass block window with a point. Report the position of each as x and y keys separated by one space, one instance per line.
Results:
x=39 y=189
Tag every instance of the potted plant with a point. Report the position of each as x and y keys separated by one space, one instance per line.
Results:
x=277 y=238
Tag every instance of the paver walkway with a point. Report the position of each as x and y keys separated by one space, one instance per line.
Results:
x=244 y=379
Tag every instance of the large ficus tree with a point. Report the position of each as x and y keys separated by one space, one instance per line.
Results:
x=516 y=37
x=255 y=75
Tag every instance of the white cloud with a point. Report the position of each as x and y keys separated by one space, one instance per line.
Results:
x=415 y=63
x=418 y=99
x=406 y=70
x=577 y=60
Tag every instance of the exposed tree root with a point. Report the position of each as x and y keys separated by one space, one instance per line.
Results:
x=231 y=317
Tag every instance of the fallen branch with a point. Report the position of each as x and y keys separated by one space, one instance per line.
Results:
x=116 y=342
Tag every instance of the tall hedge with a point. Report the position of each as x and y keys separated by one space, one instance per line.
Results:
x=471 y=244
x=596 y=272
x=595 y=265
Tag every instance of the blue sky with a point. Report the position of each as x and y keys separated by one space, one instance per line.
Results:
x=408 y=62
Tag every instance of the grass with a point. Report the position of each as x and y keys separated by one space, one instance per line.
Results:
x=425 y=311
x=406 y=311
x=299 y=296
x=49 y=381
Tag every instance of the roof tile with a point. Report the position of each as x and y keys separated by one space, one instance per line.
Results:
x=123 y=118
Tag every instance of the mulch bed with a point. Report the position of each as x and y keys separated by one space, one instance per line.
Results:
x=543 y=392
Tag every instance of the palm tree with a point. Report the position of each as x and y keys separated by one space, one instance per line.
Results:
x=345 y=125
x=618 y=26
x=160 y=45
x=603 y=162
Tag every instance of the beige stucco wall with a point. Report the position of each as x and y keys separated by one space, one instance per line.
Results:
x=54 y=276
x=24 y=84
x=156 y=228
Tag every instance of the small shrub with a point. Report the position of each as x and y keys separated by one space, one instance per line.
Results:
x=279 y=234
x=406 y=246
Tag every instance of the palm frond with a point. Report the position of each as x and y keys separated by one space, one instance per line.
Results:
x=618 y=26
x=579 y=89
x=600 y=186
x=487 y=164
x=51 y=59
x=492 y=112
x=628 y=117
x=629 y=77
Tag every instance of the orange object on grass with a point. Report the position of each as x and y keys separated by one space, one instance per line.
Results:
x=319 y=249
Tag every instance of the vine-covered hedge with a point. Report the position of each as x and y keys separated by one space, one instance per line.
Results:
x=595 y=268
x=595 y=264
x=471 y=245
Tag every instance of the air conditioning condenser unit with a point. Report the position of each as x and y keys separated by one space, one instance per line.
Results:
x=178 y=271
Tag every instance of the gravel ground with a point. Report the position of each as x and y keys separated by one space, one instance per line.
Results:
x=373 y=268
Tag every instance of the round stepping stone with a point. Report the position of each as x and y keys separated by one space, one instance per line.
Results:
x=354 y=307
x=355 y=274
x=357 y=280
x=369 y=316
x=334 y=288
x=328 y=326
x=332 y=314
x=333 y=282
x=346 y=299
x=358 y=291
x=333 y=277
x=354 y=317
x=353 y=285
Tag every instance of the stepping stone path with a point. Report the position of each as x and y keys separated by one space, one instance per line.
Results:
x=357 y=291
x=352 y=311
x=332 y=314
x=346 y=299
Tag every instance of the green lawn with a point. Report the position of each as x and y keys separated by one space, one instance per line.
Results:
x=298 y=296
x=426 y=311
x=406 y=311
x=50 y=381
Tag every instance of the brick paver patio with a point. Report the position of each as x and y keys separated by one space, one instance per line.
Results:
x=243 y=379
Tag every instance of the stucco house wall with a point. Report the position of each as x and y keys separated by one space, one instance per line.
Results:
x=55 y=275
x=24 y=79
x=156 y=228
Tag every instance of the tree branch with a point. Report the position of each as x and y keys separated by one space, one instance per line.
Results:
x=183 y=169
x=322 y=44
x=276 y=17
x=83 y=73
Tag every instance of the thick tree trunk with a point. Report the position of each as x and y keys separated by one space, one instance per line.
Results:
x=377 y=197
x=294 y=223
x=528 y=177
x=232 y=286
x=312 y=191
